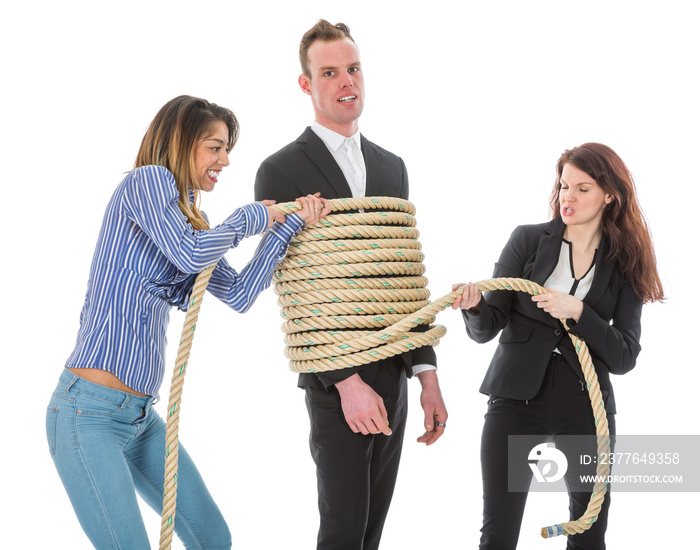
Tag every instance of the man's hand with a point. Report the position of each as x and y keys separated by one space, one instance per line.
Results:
x=433 y=407
x=363 y=407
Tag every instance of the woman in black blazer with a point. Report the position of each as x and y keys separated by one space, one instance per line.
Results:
x=597 y=259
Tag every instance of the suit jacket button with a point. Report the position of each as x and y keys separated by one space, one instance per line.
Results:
x=557 y=333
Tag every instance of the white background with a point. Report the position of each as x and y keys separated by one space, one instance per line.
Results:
x=478 y=98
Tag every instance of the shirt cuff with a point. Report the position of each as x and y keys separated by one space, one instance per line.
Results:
x=422 y=367
x=288 y=230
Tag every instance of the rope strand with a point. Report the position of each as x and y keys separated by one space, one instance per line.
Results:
x=174 y=404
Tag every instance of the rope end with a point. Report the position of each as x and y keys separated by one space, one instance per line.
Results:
x=552 y=531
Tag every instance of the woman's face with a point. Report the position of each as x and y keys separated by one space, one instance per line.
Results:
x=210 y=156
x=581 y=199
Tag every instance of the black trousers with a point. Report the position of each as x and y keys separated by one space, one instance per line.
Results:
x=562 y=407
x=356 y=473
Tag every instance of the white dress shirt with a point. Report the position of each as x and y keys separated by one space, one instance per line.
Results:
x=347 y=152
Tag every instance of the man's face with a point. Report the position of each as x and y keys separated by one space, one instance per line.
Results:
x=336 y=86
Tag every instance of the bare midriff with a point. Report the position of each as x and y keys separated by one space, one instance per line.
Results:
x=104 y=378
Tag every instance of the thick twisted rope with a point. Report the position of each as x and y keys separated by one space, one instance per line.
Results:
x=351 y=291
x=343 y=279
x=174 y=401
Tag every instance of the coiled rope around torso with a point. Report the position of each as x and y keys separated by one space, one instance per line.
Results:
x=352 y=292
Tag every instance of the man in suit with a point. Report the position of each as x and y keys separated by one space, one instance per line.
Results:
x=357 y=415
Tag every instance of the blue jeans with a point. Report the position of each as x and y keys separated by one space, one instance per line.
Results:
x=108 y=444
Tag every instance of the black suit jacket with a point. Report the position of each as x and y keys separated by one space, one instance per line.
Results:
x=530 y=334
x=306 y=166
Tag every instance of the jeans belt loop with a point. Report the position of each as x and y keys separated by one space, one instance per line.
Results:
x=70 y=384
x=125 y=402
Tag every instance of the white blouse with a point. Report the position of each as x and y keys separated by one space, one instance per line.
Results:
x=563 y=279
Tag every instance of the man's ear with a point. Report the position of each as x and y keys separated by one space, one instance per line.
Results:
x=305 y=84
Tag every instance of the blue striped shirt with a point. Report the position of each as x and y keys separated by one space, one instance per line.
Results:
x=146 y=260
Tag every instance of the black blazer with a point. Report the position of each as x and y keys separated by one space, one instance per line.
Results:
x=530 y=334
x=306 y=166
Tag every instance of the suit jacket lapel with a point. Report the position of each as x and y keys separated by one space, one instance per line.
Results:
x=372 y=169
x=545 y=260
x=314 y=148
x=548 y=251
x=602 y=276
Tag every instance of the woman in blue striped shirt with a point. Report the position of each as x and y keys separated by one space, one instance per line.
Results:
x=106 y=440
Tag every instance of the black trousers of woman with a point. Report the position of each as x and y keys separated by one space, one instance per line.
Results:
x=561 y=407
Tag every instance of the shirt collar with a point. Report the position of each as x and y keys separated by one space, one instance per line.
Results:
x=334 y=140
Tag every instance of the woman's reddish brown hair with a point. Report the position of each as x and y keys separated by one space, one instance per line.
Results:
x=624 y=226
